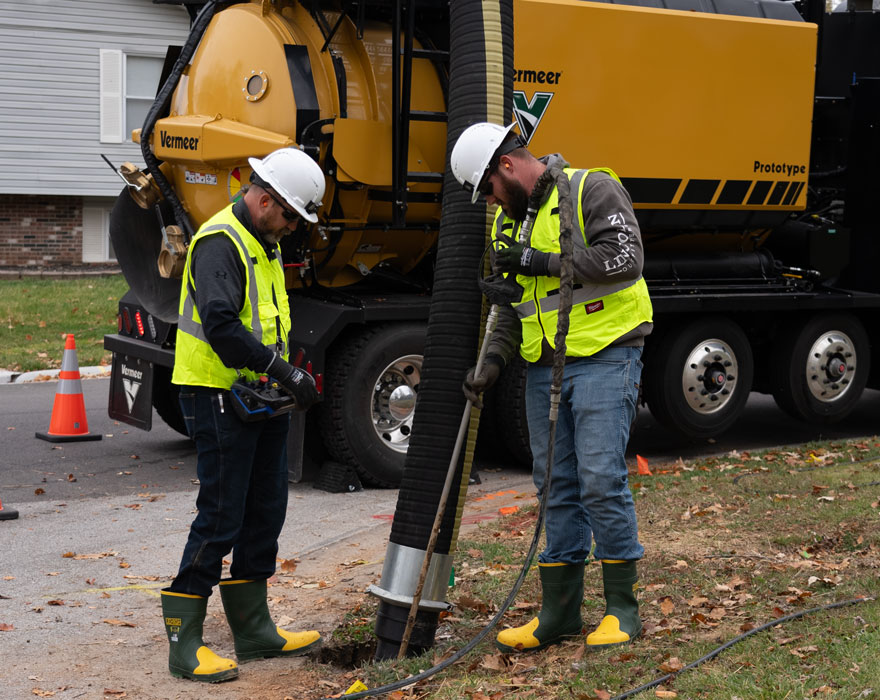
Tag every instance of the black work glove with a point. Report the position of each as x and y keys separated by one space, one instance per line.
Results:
x=475 y=385
x=522 y=260
x=295 y=381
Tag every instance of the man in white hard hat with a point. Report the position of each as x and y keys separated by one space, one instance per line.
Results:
x=589 y=497
x=234 y=321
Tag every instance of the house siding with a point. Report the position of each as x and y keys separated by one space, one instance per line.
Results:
x=50 y=120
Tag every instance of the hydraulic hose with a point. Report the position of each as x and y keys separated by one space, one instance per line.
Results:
x=158 y=107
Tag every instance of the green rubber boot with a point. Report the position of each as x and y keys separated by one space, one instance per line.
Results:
x=255 y=635
x=188 y=657
x=562 y=591
x=621 y=623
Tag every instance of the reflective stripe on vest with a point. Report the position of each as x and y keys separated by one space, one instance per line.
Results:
x=266 y=318
x=600 y=313
x=187 y=321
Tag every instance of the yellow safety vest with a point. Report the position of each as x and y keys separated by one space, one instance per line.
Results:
x=266 y=312
x=600 y=313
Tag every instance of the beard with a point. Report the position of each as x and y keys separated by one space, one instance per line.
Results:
x=517 y=204
x=270 y=236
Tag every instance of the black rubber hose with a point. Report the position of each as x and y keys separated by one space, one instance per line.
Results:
x=715 y=652
x=158 y=107
x=454 y=318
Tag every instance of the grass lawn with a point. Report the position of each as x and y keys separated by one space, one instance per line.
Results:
x=732 y=543
x=37 y=314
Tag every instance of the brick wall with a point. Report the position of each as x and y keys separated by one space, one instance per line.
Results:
x=40 y=230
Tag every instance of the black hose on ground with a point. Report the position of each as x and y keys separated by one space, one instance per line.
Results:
x=160 y=105
x=715 y=652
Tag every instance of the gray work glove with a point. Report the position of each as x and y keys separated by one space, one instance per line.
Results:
x=295 y=381
x=475 y=385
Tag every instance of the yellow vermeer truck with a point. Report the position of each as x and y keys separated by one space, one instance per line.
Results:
x=746 y=132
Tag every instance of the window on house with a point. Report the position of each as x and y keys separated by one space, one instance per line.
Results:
x=142 y=75
x=128 y=87
x=97 y=246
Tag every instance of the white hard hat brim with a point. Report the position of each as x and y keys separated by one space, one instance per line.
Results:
x=264 y=173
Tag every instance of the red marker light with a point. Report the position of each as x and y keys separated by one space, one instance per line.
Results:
x=140 y=322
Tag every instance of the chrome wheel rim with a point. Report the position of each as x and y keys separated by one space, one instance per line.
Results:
x=394 y=401
x=710 y=376
x=831 y=366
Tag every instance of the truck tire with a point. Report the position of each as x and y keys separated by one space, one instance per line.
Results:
x=820 y=368
x=698 y=377
x=166 y=399
x=370 y=387
x=509 y=412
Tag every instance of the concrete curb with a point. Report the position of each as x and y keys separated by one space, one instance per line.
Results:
x=46 y=375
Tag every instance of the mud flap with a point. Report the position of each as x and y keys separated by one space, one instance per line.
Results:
x=131 y=390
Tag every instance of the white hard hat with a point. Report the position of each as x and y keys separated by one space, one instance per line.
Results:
x=296 y=177
x=473 y=152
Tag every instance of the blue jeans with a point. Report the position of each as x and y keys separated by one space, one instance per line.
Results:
x=242 y=501
x=589 y=492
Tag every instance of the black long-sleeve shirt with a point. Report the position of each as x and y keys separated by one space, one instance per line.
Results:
x=219 y=276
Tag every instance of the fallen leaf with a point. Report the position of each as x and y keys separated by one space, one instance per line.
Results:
x=119 y=623
x=4 y=627
x=98 y=555
x=39 y=492
x=494 y=662
x=666 y=605
x=671 y=665
x=42 y=693
x=717 y=613
x=114 y=693
x=665 y=694
x=124 y=565
x=57 y=601
x=289 y=565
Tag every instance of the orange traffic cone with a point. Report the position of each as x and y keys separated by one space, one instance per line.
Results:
x=68 y=421
x=7 y=513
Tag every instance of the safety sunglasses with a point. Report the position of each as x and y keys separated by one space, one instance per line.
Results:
x=285 y=212
x=485 y=188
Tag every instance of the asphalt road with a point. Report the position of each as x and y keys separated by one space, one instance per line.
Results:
x=129 y=461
